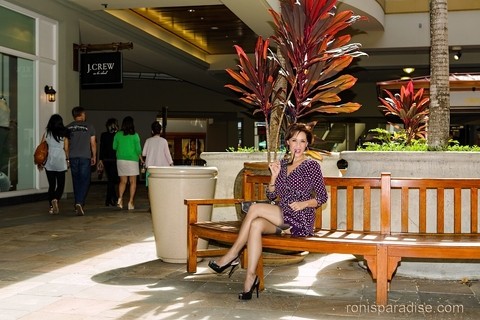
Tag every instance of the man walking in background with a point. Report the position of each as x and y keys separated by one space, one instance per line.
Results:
x=82 y=154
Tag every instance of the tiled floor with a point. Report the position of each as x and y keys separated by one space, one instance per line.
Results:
x=104 y=266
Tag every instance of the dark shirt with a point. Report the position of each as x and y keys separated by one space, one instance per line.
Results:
x=79 y=141
x=106 y=147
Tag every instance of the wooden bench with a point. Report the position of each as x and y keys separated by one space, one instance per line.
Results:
x=376 y=218
x=442 y=224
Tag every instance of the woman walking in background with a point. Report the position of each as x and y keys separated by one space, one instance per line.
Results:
x=129 y=153
x=108 y=161
x=155 y=149
x=57 y=161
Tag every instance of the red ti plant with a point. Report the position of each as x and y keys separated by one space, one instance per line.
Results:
x=306 y=34
x=258 y=80
x=411 y=108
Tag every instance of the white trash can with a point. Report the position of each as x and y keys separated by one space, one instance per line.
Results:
x=167 y=189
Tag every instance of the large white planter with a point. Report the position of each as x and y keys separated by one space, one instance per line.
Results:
x=420 y=164
x=167 y=189
x=229 y=164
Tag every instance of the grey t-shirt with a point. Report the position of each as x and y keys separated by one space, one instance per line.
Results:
x=79 y=142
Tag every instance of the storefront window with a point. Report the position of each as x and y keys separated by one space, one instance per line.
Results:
x=16 y=123
x=17 y=101
x=17 y=31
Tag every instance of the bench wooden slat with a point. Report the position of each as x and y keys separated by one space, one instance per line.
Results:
x=367 y=209
x=422 y=209
x=385 y=203
x=350 y=209
x=434 y=250
x=474 y=210
x=457 y=222
x=333 y=208
x=404 y=208
x=440 y=210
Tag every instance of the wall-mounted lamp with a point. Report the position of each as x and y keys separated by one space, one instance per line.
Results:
x=408 y=70
x=50 y=92
x=457 y=53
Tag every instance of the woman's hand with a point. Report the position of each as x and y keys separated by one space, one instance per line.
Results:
x=274 y=169
x=298 y=206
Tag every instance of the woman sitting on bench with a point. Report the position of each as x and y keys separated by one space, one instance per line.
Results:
x=297 y=184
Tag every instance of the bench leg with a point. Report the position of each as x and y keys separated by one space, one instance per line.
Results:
x=382 y=275
x=192 y=242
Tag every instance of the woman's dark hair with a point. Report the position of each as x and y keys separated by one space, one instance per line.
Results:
x=56 y=128
x=156 y=128
x=112 y=125
x=127 y=126
x=295 y=128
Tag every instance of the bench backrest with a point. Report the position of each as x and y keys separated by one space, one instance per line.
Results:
x=354 y=204
x=254 y=185
x=435 y=205
x=350 y=207
x=391 y=205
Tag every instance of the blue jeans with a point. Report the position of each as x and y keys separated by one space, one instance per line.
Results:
x=81 y=176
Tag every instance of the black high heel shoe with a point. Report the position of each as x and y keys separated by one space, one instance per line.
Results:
x=248 y=295
x=219 y=269
x=111 y=202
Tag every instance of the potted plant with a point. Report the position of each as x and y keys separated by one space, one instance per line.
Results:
x=298 y=72
x=411 y=108
x=311 y=57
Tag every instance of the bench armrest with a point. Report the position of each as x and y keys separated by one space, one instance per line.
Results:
x=211 y=201
x=192 y=206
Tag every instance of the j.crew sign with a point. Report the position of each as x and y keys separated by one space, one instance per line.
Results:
x=101 y=70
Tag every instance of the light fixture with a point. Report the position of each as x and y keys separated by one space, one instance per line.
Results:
x=408 y=70
x=457 y=53
x=50 y=92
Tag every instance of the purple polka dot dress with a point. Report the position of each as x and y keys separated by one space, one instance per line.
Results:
x=303 y=183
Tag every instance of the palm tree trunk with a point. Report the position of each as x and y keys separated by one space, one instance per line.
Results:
x=439 y=122
x=277 y=116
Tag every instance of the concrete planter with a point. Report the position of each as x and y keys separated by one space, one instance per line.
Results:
x=413 y=164
x=168 y=187
x=420 y=164
x=229 y=165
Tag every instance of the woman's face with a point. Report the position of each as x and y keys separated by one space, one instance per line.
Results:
x=297 y=143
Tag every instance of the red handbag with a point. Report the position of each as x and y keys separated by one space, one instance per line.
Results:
x=41 y=153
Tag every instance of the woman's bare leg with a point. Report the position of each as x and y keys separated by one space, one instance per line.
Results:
x=268 y=212
x=122 y=185
x=258 y=227
x=133 y=187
